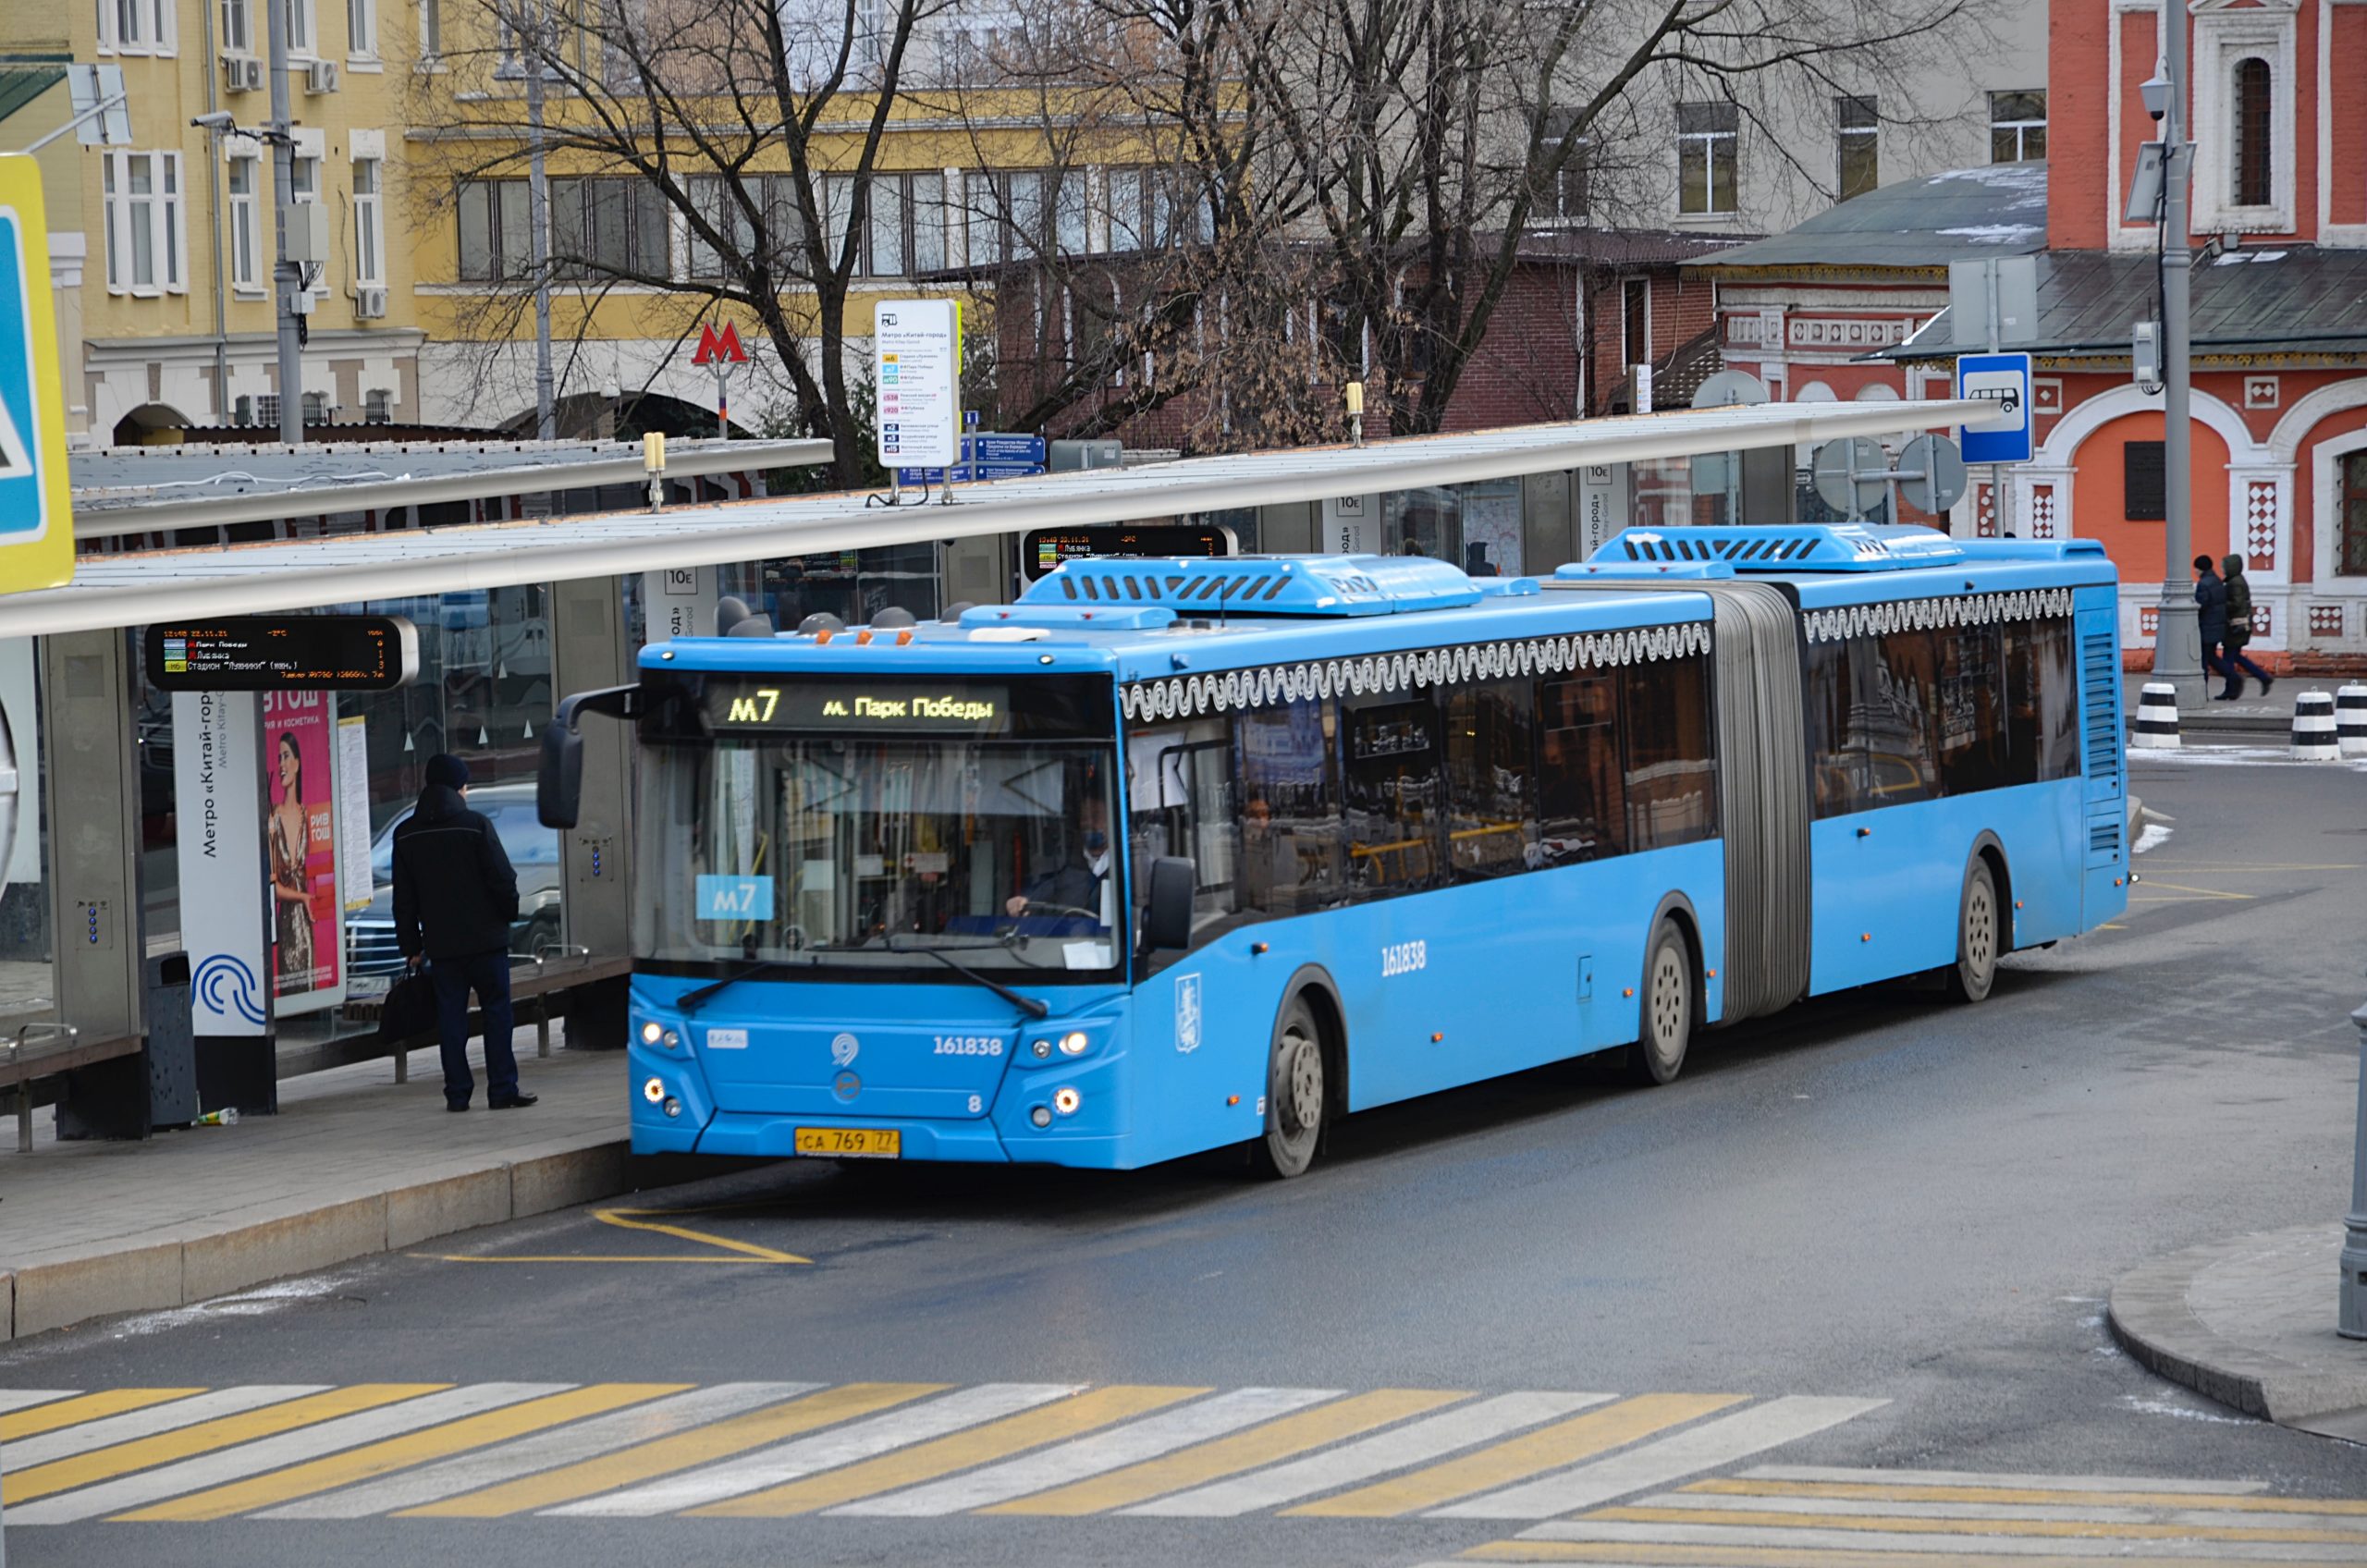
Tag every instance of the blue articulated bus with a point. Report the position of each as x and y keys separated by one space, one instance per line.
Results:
x=1177 y=854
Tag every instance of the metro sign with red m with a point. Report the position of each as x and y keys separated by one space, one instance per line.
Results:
x=716 y=346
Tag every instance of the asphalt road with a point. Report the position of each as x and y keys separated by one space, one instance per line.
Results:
x=1875 y=1198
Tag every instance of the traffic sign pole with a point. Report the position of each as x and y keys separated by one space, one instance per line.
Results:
x=2177 y=638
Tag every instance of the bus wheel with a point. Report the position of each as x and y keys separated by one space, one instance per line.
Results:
x=1294 y=1096
x=1975 y=969
x=1658 y=1055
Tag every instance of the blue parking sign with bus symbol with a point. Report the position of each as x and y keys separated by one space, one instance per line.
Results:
x=2004 y=379
x=36 y=533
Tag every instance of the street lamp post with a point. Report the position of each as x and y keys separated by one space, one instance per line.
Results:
x=288 y=273
x=2351 y=1322
x=2178 y=636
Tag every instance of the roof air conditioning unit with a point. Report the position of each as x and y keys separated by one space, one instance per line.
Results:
x=369 y=302
x=241 y=73
x=320 y=75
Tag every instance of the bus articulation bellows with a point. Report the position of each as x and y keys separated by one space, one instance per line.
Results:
x=1176 y=854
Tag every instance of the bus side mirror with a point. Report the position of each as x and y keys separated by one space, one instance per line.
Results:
x=1167 y=920
x=559 y=783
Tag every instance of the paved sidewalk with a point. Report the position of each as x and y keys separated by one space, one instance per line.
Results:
x=2251 y=1322
x=2251 y=714
x=353 y=1164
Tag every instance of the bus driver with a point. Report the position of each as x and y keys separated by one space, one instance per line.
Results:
x=1079 y=886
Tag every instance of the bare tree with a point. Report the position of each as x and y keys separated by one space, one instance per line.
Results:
x=712 y=151
x=1374 y=167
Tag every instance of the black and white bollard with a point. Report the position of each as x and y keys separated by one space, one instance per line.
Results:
x=2157 y=717
x=2351 y=720
x=2314 y=736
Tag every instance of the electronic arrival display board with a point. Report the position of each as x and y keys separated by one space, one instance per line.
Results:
x=687 y=705
x=317 y=653
x=1041 y=549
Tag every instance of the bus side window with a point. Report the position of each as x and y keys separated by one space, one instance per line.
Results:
x=1290 y=807
x=1672 y=771
x=1390 y=771
x=1178 y=802
x=1491 y=778
x=2058 y=699
x=1582 y=791
x=1973 y=733
x=1870 y=703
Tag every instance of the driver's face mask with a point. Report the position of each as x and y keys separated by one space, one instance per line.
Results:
x=1096 y=841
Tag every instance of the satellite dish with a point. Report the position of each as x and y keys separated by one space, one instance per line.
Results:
x=1935 y=457
x=1836 y=465
x=1729 y=387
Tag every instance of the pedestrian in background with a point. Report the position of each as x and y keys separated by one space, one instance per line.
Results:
x=2240 y=630
x=455 y=897
x=2210 y=617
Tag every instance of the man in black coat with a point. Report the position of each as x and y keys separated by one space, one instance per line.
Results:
x=455 y=897
x=2211 y=617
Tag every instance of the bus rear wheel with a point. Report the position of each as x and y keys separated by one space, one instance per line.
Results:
x=1295 y=1095
x=1975 y=970
x=1667 y=1026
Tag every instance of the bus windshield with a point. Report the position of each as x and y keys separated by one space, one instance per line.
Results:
x=861 y=852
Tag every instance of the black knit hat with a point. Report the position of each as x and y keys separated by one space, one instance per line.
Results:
x=447 y=770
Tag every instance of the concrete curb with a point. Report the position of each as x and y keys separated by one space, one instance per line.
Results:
x=201 y=1265
x=2150 y=1316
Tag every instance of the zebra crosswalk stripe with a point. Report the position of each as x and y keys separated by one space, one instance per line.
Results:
x=2329 y=1516
x=132 y=1492
x=842 y=1445
x=1429 y=1439
x=485 y=1468
x=1725 y=1540
x=1889 y=1480
x=162 y=1448
x=559 y=1405
x=1063 y=1418
x=151 y=1420
x=1131 y=1444
x=25 y=1398
x=1723 y=1441
x=85 y=1407
x=1254 y=1449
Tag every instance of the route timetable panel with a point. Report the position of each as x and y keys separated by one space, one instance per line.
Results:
x=346 y=653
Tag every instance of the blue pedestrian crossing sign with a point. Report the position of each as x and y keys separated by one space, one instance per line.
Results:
x=36 y=506
x=2004 y=379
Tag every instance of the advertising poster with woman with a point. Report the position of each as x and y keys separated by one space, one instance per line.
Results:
x=299 y=843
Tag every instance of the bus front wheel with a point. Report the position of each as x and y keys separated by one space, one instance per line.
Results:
x=1666 y=1025
x=1296 y=1091
x=1975 y=970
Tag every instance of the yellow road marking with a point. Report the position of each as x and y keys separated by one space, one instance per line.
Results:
x=142 y=1452
x=2114 y=925
x=957 y=1451
x=337 y=1470
x=88 y=1407
x=1630 y=1553
x=649 y=1219
x=1549 y=1447
x=1231 y=1455
x=2181 y=867
x=678 y=1451
x=2082 y=1528
x=1877 y=1491
x=2198 y=892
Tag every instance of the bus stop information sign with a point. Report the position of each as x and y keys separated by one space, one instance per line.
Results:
x=917 y=370
x=312 y=653
x=1041 y=549
x=36 y=508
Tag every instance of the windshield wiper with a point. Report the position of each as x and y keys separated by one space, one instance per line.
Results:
x=1033 y=1007
x=691 y=1001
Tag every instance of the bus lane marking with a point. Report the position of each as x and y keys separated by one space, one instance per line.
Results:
x=654 y=1221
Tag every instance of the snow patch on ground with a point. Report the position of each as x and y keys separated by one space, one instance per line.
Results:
x=2184 y=1412
x=2153 y=837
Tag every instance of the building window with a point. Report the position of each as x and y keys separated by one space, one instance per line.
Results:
x=1859 y=149
x=136 y=26
x=2018 y=126
x=267 y=410
x=142 y=211
x=431 y=30
x=316 y=408
x=377 y=406
x=237 y=26
x=2353 y=547
x=304 y=179
x=1636 y=320
x=608 y=228
x=245 y=236
x=2253 y=101
x=362 y=27
x=1563 y=198
x=1705 y=137
x=299 y=26
x=2144 y=482
x=1139 y=213
x=369 y=230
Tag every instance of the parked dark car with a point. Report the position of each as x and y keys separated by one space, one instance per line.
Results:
x=373 y=957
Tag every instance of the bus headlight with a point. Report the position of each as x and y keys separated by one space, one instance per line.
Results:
x=673 y=1106
x=1040 y=1050
x=1073 y=1043
x=652 y=1032
x=654 y=1091
x=1065 y=1100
